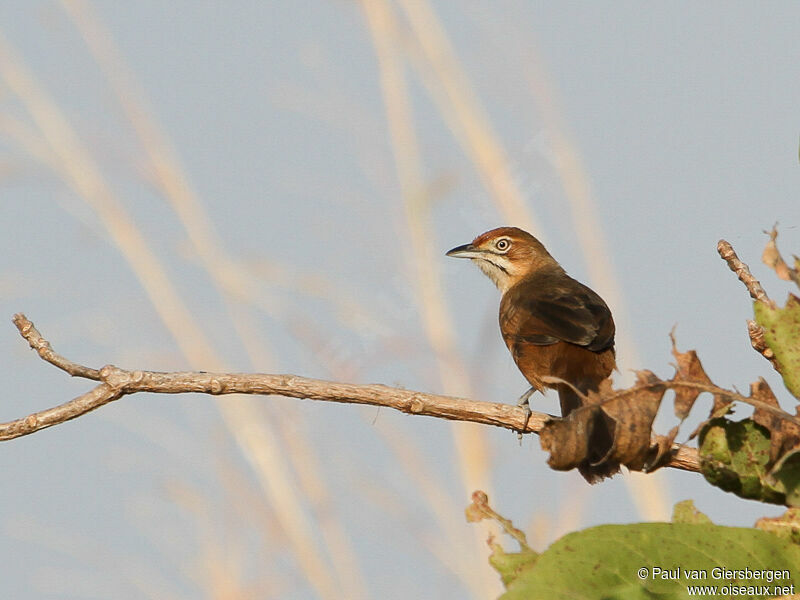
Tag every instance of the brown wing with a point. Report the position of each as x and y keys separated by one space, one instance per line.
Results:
x=551 y=307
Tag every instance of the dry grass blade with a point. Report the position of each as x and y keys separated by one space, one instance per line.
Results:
x=169 y=176
x=75 y=164
x=460 y=107
x=449 y=542
x=227 y=274
x=430 y=297
x=470 y=440
x=26 y=137
x=647 y=494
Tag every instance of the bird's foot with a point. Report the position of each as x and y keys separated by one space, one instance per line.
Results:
x=524 y=402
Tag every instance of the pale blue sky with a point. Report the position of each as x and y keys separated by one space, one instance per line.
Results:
x=684 y=116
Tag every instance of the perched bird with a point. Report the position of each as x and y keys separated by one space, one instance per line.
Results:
x=552 y=325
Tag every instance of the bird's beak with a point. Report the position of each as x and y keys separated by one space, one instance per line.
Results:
x=465 y=251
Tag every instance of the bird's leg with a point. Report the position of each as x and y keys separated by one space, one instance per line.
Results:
x=524 y=402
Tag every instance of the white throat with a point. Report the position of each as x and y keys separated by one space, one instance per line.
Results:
x=500 y=278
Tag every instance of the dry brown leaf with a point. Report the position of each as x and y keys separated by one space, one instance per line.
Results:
x=634 y=410
x=773 y=259
x=690 y=369
x=567 y=439
x=687 y=368
x=613 y=428
x=784 y=435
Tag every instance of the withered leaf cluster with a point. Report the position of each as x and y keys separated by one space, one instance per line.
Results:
x=631 y=413
x=757 y=457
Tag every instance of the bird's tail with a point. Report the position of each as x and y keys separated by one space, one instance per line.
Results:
x=600 y=434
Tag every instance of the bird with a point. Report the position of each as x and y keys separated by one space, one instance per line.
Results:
x=553 y=326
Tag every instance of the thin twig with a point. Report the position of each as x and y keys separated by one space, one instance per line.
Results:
x=480 y=505
x=704 y=387
x=100 y=395
x=674 y=384
x=754 y=330
x=742 y=271
x=42 y=346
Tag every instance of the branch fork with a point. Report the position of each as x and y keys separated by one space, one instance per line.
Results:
x=114 y=383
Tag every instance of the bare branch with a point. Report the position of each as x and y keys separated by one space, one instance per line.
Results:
x=118 y=382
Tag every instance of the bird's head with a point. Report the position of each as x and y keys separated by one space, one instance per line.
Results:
x=506 y=255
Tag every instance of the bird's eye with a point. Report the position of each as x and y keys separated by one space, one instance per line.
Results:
x=502 y=244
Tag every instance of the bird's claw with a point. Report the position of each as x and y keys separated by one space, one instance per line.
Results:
x=524 y=402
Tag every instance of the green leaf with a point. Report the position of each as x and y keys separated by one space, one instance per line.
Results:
x=603 y=563
x=510 y=564
x=734 y=456
x=685 y=512
x=782 y=334
x=785 y=477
